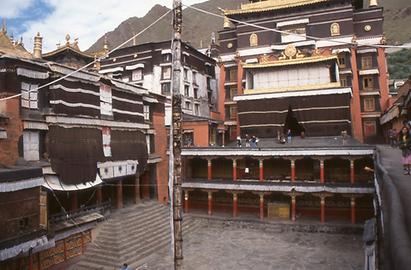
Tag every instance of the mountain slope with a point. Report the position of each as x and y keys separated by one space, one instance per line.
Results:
x=197 y=27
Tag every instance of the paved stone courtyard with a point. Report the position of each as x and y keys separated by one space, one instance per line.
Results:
x=219 y=247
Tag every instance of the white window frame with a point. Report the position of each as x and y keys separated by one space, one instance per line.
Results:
x=31 y=145
x=106 y=100
x=146 y=112
x=106 y=136
x=29 y=96
x=137 y=75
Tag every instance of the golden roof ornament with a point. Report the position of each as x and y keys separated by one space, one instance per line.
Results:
x=373 y=3
x=227 y=23
x=3 y=27
x=290 y=51
x=335 y=29
x=68 y=39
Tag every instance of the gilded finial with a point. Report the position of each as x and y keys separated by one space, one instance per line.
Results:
x=373 y=3
x=227 y=23
x=3 y=27
x=105 y=46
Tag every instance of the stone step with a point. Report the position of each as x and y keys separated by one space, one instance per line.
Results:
x=108 y=234
x=136 y=238
x=157 y=221
x=118 y=219
x=112 y=250
x=160 y=241
x=143 y=257
x=131 y=235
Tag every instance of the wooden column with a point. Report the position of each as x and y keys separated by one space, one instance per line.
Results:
x=322 y=174
x=82 y=244
x=352 y=171
x=261 y=165
x=209 y=169
x=137 y=197
x=99 y=194
x=38 y=261
x=353 y=216
x=292 y=170
x=322 y=209
x=234 y=170
x=293 y=196
x=223 y=138
x=74 y=200
x=30 y=260
x=186 y=197
x=119 y=189
x=293 y=207
x=261 y=206
x=210 y=203
x=64 y=249
x=235 y=204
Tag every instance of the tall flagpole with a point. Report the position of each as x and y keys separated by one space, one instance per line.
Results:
x=177 y=135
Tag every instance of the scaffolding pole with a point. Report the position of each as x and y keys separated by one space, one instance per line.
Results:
x=177 y=136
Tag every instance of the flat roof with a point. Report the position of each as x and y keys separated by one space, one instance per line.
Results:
x=309 y=146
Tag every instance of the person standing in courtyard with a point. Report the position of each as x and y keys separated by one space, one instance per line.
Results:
x=125 y=267
x=404 y=143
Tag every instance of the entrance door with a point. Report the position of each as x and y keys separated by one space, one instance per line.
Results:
x=291 y=122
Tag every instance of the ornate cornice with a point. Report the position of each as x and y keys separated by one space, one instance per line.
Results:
x=271 y=5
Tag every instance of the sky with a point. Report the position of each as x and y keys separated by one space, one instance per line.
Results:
x=86 y=20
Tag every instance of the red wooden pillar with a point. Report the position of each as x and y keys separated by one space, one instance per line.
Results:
x=209 y=169
x=292 y=170
x=38 y=261
x=82 y=244
x=261 y=163
x=322 y=177
x=293 y=207
x=30 y=260
x=261 y=206
x=322 y=205
x=234 y=170
x=137 y=197
x=352 y=172
x=210 y=203
x=235 y=204
x=99 y=194
x=119 y=188
x=186 y=201
x=353 y=217
x=74 y=201
x=64 y=249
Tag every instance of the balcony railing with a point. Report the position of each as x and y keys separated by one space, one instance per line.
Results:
x=100 y=208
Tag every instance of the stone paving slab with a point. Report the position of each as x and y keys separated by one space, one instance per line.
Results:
x=224 y=248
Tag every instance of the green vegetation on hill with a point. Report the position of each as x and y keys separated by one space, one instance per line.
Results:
x=399 y=64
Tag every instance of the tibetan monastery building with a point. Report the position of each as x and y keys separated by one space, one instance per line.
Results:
x=315 y=62
x=310 y=69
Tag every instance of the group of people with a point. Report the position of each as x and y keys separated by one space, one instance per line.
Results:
x=284 y=138
x=403 y=140
x=249 y=141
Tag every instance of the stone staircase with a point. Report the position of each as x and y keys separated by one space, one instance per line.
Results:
x=131 y=235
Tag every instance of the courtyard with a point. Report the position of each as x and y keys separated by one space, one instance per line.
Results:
x=219 y=246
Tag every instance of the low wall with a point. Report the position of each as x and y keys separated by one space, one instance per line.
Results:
x=393 y=238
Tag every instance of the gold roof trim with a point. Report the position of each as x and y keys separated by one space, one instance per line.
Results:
x=298 y=61
x=323 y=86
x=270 y=5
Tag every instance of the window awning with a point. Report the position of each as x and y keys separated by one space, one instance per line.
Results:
x=136 y=66
x=52 y=182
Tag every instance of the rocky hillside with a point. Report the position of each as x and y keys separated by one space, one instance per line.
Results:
x=197 y=27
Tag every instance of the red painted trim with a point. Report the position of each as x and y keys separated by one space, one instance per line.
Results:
x=383 y=79
x=356 y=120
